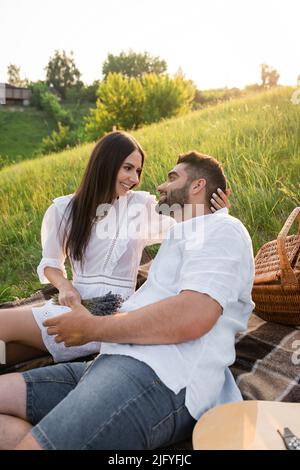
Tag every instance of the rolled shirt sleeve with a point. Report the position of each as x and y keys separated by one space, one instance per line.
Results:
x=52 y=243
x=213 y=267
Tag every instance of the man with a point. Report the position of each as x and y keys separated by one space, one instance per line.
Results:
x=164 y=358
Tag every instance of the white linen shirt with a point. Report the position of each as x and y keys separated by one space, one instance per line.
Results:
x=213 y=256
x=115 y=247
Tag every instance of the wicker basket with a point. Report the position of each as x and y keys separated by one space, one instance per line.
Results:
x=276 y=289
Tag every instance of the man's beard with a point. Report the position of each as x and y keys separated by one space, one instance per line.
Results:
x=179 y=196
x=174 y=201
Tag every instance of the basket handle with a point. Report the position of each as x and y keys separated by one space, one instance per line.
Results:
x=288 y=277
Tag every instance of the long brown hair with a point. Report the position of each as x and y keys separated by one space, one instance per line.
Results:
x=97 y=187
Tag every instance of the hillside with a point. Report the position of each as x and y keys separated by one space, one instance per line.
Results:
x=257 y=139
x=21 y=132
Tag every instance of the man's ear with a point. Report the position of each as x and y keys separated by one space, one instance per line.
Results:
x=198 y=185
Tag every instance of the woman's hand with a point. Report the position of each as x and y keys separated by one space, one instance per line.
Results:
x=220 y=200
x=69 y=296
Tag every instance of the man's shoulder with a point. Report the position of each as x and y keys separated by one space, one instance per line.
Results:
x=231 y=225
x=215 y=232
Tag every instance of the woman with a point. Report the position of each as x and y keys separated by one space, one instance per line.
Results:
x=102 y=229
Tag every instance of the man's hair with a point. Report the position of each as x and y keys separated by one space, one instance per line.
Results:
x=198 y=166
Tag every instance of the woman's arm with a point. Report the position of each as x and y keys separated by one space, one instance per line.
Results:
x=68 y=295
x=52 y=265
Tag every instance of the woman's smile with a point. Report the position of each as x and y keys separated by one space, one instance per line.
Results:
x=125 y=186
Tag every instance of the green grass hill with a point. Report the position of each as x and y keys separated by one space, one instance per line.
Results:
x=257 y=139
x=21 y=132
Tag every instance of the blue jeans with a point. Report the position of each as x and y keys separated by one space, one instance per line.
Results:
x=113 y=402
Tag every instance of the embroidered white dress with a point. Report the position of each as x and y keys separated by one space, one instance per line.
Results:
x=111 y=259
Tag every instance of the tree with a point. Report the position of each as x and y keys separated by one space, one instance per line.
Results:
x=128 y=103
x=133 y=64
x=269 y=76
x=166 y=97
x=13 y=73
x=120 y=103
x=81 y=93
x=43 y=99
x=62 y=73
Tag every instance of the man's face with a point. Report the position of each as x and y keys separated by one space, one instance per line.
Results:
x=176 y=189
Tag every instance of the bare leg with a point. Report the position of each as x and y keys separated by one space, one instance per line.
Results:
x=12 y=431
x=28 y=443
x=17 y=325
x=13 y=424
x=16 y=352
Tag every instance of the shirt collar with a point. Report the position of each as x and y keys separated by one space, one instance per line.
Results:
x=224 y=210
x=201 y=218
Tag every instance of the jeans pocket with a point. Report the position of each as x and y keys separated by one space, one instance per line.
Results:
x=164 y=431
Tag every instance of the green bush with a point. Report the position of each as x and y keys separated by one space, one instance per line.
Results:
x=120 y=103
x=128 y=103
x=214 y=96
x=81 y=93
x=43 y=99
x=38 y=89
x=61 y=139
x=166 y=97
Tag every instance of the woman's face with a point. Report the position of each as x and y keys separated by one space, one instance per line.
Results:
x=129 y=173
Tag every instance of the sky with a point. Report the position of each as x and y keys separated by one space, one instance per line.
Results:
x=216 y=43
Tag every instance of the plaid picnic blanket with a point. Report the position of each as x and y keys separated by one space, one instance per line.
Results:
x=267 y=365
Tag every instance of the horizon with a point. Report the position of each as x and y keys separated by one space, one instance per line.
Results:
x=240 y=39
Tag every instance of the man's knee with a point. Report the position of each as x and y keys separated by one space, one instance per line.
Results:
x=28 y=443
x=13 y=395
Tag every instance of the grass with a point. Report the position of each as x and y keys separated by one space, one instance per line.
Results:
x=21 y=133
x=257 y=139
x=23 y=129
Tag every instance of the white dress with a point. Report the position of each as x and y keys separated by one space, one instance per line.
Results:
x=111 y=259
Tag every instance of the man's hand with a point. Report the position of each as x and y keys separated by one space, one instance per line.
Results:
x=73 y=328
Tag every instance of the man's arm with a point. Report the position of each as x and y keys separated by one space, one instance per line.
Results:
x=183 y=317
